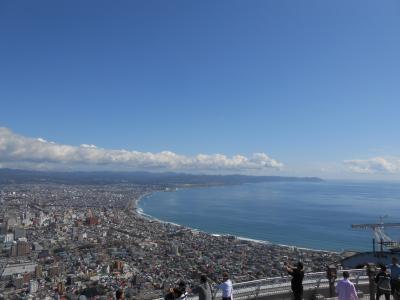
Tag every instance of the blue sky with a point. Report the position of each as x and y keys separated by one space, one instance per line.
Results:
x=314 y=85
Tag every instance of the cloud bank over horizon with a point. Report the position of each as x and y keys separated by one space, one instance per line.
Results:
x=374 y=165
x=17 y=151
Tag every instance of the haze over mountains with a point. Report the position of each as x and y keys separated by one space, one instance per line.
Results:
x=106 y=177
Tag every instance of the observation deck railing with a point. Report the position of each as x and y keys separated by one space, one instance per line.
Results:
x=314 y=283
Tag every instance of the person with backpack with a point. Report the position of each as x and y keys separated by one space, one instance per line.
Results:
x=395 y=277
x=382 y=281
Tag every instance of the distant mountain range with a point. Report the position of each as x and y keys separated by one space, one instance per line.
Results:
x=27 y=176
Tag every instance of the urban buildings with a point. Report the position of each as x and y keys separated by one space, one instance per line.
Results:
x=88 y=239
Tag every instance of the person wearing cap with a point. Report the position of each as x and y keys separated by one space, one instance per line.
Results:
x=297 y=274
x=226 y=287
x=346 y=289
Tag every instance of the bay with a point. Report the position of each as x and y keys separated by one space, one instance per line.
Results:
x=316 y=215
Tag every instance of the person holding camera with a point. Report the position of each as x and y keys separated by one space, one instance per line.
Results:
x=297 y=274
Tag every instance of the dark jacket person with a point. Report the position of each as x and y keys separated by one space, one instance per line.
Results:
x=297 y=274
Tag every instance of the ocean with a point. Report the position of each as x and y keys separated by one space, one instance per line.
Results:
x=315 y=215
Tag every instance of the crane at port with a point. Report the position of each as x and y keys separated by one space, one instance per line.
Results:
x=380 y=237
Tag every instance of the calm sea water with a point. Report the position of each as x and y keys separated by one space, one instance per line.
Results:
x=311 y=215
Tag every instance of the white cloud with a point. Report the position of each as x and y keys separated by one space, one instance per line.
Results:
x=374 y=165
x=88 y=146
x=20 y=151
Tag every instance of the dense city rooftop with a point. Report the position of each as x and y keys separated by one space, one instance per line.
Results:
x=61 y=239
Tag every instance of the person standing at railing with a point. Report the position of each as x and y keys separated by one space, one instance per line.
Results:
x=346 y=289
x=395 y=277
x=297 y=273
x=226 y=287
x=203 y=289
x=382 y=281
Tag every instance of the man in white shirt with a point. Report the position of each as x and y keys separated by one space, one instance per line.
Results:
x=226 y=287
x=345 y=288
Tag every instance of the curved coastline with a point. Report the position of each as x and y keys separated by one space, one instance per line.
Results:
x=139 y=212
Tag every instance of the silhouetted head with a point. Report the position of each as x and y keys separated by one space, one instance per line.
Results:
x=299 y=265
x=346 y=275
x=182 y=285
x=203 y=278
x=383 y=268
x=119 y=294
x=177 y=292
x=394 y=260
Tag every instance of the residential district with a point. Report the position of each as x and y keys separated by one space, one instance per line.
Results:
x=68 y=241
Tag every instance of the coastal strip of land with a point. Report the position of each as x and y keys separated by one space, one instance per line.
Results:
x=92 y=236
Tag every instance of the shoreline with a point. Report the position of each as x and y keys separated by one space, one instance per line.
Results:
x=140 y=213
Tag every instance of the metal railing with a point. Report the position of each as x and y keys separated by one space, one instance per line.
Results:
x=282 y=285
